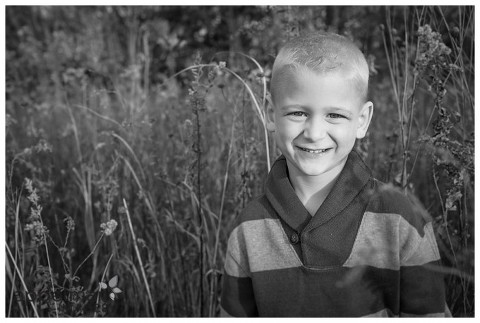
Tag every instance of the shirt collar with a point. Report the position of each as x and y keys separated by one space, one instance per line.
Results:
x=280 y=193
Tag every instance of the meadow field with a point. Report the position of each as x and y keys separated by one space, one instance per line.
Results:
x=136 y=135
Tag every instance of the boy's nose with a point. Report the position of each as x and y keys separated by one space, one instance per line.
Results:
x=315 y=130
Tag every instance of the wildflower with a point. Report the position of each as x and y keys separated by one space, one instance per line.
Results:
x=43 y=146
x=28 y=184
x=38 y=231
x=35 y=225
x=33 y=197
x=109 y=227
x=70 y=223
x=433 y=53
x=112 y=283
x=32 y=192
x=35 y=213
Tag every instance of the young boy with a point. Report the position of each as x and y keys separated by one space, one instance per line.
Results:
x=327 y=239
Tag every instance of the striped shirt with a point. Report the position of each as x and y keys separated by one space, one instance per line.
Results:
x=369 y=250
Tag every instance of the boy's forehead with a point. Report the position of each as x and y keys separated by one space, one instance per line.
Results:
x=295 y=81
x=290 y=77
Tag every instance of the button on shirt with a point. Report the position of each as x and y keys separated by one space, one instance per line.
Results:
x=294 y=238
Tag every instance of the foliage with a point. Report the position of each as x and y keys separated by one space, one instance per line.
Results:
x=128 y=156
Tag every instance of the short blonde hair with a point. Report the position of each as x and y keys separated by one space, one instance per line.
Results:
x=323 y=53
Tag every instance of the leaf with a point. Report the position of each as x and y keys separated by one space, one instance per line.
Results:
x=113 y=282
x=116 y=290
x=112 y=296
x=451 y=199
x=103 y=285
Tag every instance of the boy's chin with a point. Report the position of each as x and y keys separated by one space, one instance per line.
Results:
x=311 y=170
x=314 y=168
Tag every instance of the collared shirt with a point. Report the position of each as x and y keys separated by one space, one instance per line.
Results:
x=369 y=250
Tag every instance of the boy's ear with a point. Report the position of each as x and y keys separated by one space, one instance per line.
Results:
x=364 y=119
x=270 y=116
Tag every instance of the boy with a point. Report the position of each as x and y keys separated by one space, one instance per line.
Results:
x=327 y=239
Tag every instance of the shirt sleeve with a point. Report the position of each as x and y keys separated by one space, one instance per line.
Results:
x=237 y=298
x=422 y=292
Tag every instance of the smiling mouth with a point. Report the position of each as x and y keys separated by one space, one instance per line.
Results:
x=313 y=151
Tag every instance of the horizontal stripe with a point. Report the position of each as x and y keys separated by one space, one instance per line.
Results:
x=257 y=209
x=387 y=198
x=339 y=292
x=426 y=250
x=259 y=245
x=388 y=241
x=233 y=266
x=422 y=290
x=237 y=297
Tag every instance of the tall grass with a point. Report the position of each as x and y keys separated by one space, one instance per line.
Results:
x=143 y=181
x=183 y=243
x=431 y=69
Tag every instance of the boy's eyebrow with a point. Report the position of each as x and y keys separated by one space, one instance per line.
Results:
x=291 y=106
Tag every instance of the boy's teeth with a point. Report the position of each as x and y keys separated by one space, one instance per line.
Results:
x=315 y=151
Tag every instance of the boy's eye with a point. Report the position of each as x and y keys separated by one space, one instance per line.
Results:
x=297 y=114
x=336 y=116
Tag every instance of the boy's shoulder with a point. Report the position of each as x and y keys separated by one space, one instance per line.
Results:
x=391 y=200
x=257 y=209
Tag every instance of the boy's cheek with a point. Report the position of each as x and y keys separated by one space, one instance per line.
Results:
x=285 y=128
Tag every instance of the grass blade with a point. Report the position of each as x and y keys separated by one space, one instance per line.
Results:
x=139 y=258
x=21 y=280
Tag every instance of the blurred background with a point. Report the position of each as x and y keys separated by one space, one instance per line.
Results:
x=135 y=136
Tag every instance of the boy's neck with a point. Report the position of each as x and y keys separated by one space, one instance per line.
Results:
x=313 y=190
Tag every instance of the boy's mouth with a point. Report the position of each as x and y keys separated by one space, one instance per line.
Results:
x=313 y=151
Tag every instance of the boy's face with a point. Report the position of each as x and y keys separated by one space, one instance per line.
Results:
x=315 y=121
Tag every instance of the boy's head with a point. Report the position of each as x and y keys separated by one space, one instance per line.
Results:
x=319 y=87
x=323 y=53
